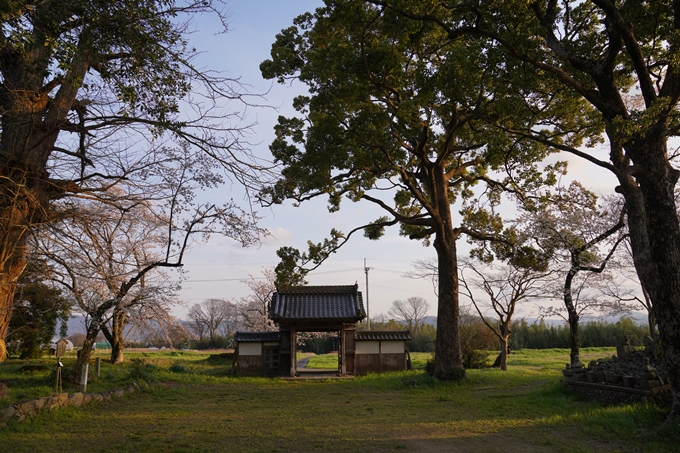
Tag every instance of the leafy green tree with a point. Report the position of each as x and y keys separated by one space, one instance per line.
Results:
x=83 y=85
x=37 y=308
x=393 y=120
x=618 y=63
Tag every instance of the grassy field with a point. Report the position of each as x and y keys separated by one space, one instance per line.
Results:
x=328 y=361
x=196 y=406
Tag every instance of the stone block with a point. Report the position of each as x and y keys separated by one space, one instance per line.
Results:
x=6 y=413
x=75 y=399
x=39 y=403
x=97 y=397
x=87 y=397
x=118 y=393
x=52 y=403
x=25 y=406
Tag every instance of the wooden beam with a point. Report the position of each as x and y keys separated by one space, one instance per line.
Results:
x=293 y=362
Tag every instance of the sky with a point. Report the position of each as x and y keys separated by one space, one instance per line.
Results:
x=216 y=269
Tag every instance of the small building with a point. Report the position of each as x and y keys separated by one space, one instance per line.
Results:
x=258 y=352
x=381 y=350
x=61 y=345
x=317 y=309
x=320 y=309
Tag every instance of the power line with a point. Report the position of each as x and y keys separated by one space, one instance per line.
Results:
x=400 y=289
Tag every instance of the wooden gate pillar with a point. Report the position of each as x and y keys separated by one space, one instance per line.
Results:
x=293 y=344
x=342 y=348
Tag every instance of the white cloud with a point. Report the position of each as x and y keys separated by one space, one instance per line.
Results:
x=277 y=236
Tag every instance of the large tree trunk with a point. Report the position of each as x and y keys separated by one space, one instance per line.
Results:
x=119 y=322
x=664 y=234
x=15 y=209
x=31 y=122
x=655 y=241
x=448 y=363
x=6 y=302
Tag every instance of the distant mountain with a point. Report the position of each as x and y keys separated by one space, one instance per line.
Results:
x=432 y=320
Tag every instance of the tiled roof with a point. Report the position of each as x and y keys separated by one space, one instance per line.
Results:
x=383 y=335
x=243 y=337
x=318 y=303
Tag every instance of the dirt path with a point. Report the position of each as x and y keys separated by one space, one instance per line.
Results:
x=302 y=363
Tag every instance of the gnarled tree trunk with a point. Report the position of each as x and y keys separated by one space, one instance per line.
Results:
x=572 y=319
x=655 y=241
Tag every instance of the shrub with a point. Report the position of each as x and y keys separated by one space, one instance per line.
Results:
x=142 y=369
x=474 y=359
x=177 y=368
x=220 y=359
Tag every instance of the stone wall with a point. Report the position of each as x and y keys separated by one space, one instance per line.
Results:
x=28 y=408
x=631 y=375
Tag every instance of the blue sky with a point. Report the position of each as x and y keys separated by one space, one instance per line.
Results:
x=214 y=269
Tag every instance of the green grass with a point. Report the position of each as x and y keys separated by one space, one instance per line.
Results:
x=203 y=408
x=330 y=361
x=323 y=361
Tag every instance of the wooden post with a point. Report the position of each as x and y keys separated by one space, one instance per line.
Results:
x=57 y=383
x=341 y=353
x=83 y=378
x=380 y=357
x=293 y=341
x=98 y=365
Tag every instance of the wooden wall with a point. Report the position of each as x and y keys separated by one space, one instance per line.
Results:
x=379 y=356
x=250 y=364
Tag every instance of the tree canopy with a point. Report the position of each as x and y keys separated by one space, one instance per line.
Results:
x=617 y=62
x=394 y=118
x=89 y=93
x=38 y=306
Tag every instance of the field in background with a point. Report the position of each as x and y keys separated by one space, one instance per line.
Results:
x=328 y=361
x=196 y=405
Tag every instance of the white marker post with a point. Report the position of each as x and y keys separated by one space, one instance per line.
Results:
x=83 y=378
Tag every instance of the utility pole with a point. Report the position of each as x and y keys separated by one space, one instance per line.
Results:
x=368 y=317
